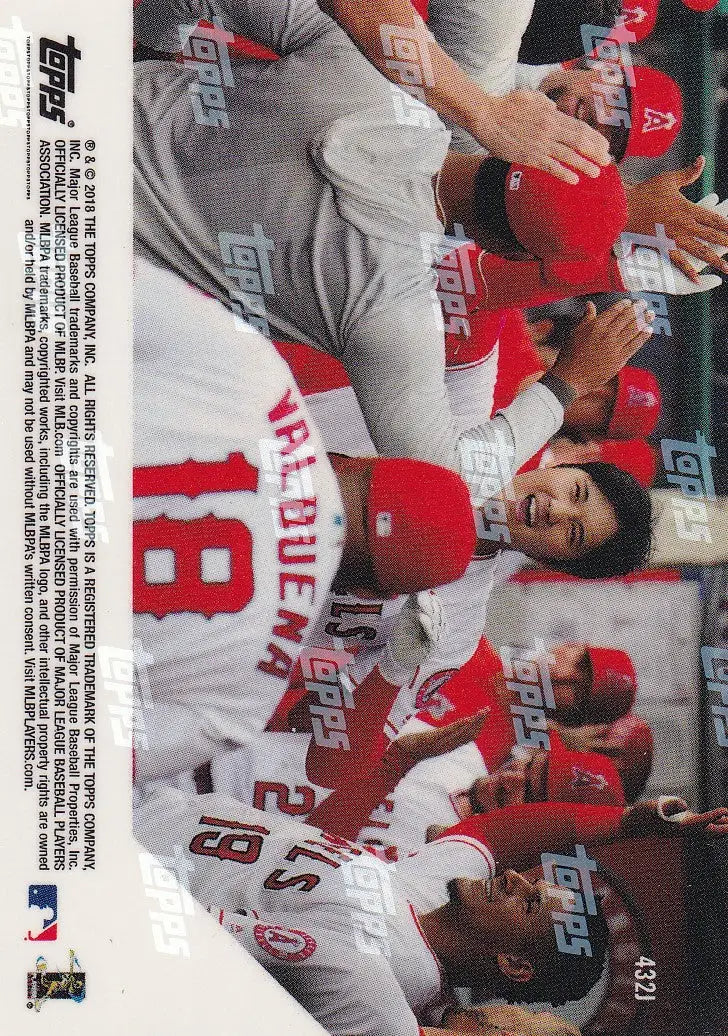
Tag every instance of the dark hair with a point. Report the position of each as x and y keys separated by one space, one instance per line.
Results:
x=554 y=32
x=563 y=976
x=618 y=135
x=489 y=201
x=629 y=549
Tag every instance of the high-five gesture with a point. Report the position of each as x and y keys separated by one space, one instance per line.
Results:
x=699 y=230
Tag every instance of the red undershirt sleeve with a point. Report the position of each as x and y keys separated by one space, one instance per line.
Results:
x=332 y=767
x=517 y=834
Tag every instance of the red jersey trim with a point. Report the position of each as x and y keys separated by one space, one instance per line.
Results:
x=480 y=847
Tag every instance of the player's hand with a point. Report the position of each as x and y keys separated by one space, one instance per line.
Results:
x=648 y=270
x=592 y=737
x=426 y=744
x=601 y=345
x=526 y=126
x=563 y=451
x=505 y=787
x=417 y=632
x=670 y=816
x=712 y=204
x=693 y=227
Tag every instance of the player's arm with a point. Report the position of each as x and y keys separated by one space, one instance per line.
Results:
x=348 y=809
x=523 y=127
x=524 y=283
x=396 y=364
x=518 y=834
x=279 y=25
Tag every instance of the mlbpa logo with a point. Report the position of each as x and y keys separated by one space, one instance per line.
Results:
x=655 y=120
x=43 y=910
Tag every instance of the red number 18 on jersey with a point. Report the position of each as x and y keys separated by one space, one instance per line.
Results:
x=187 y=540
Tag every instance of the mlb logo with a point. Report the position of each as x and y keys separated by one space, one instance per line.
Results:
x=43 y=913
x=384 y=524
x=515 y=180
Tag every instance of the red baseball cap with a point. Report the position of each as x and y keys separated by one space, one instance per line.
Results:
x=640 y=16
x=655 y=99
x=634 y=456
x=613 y=685
x=588 y=778
x=637 y=404
x=421 y=530
x=634 y=739
x=656 y=113
x=554 y=220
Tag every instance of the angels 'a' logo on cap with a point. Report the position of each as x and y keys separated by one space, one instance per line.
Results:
x=634 y=15
x=657 y=120
x=284 y=943
x=585 y=779
x=640 y=397
x=615 y=677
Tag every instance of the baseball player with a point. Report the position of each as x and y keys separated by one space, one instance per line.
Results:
x=519 y=128
x=627 y=742
x=485 y=40
x=450 y=785
x=394 y=930
x=290 y=772
x=319 y=277
x=310 y=901
x=241 y=525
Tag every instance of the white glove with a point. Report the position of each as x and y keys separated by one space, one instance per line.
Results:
x=648 y=270
x=418 y=631
x=710 y=201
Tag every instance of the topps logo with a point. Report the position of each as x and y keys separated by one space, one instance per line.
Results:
x=58 y=66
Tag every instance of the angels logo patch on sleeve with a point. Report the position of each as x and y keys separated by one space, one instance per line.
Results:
x=286 y=944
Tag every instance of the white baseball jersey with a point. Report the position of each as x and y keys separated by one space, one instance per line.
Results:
x=339 y=906
x=434 y=791
x=238 y=525
x=271 y=772
x=465 y=604
x=363 y=626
